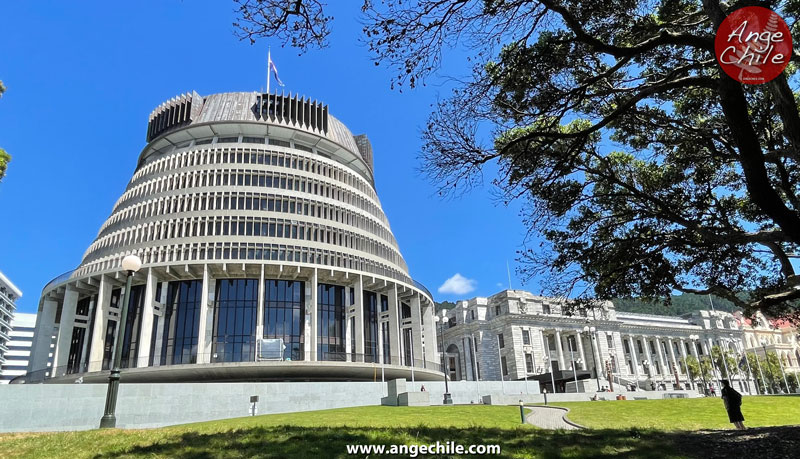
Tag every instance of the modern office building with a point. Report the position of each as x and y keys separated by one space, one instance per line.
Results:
x=19 y=347
x=256 y=219
x=9 y=294
x=515 y=335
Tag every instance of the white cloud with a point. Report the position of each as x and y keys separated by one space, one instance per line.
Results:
x=458 y=285
x=500 y=285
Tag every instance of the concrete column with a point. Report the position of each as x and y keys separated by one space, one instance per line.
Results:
x=693 y=349
x=394 y=327
x=579 y=343
x=634 y=360
x=84 y=350
x=431 y=334
x=160 y=331
x=65 y=331
x=206 y=313
x=42 y=339
x=260 y=310
x=311 y=324
x=416 y=330
x=359 y=318
x=661 y=357
x=647 y=354
x=672 y=355
x=99 y=329
x=143 y=353
x=601 y=366
x=560 y=351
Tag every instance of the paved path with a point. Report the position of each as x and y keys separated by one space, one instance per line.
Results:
x=548 y=418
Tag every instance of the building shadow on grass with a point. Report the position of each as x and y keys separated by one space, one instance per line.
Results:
x=324 y=442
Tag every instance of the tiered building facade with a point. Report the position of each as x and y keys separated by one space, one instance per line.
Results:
x=256 y=218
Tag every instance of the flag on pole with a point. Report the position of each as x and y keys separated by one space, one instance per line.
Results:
x=274 y=70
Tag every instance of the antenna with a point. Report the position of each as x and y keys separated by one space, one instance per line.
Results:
x=710 y=301
x=508 y=270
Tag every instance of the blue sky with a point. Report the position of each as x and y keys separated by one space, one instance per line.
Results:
x=82 y=78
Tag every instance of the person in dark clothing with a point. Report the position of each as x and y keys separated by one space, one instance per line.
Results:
x=733 y=404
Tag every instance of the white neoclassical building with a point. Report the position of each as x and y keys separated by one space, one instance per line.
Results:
x=256 y=219
x=516 y=335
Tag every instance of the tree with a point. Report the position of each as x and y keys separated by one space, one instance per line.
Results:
x=645 y=169
x=730 y=363
x=5 y=158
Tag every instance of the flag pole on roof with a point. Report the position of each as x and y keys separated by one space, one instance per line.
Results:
x=271 y=68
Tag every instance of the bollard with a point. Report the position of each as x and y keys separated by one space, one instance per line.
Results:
x=545 y=396
x=521 y=412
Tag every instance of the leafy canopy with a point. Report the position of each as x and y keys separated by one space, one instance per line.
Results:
x=644 y=168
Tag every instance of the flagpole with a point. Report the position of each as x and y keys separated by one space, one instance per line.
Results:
x=269 y=61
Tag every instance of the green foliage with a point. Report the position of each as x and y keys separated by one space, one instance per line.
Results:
x=5 y=158
x=444 y=305
x=677 y=305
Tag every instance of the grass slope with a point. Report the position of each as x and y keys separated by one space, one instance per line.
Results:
x=323 y=434
x=683 y=414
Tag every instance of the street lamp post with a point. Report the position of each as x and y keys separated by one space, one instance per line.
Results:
x=131 y=264
x=448 y=400
x=761 y=372
x=591 y=332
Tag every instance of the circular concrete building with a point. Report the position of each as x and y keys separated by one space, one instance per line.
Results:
x=266 y=256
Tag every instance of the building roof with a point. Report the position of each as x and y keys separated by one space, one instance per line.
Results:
x=10 y=285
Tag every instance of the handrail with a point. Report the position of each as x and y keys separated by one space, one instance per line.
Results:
x=419 y=285
x=61 y=278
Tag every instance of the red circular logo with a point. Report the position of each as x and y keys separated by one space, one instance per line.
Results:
x=753 y=45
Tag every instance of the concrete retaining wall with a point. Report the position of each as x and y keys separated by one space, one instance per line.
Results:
x=55 y=407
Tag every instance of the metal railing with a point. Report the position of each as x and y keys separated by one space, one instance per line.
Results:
x=423 y=288
x=61 y=278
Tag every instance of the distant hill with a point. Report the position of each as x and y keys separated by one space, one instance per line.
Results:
x=681 y=304
x=445 y=305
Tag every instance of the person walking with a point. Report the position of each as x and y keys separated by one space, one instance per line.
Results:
x=733 y=404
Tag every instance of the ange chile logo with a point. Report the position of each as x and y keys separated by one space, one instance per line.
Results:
x=753 y=45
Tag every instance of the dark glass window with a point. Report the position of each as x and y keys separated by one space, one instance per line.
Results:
x=181 y=323
x=639 y=345
x=92 y=313
x=497 y=310
x=406 y=311
x=407 y=343
x=526 y=337
x=75 y=349
x=133 y=325
x=384 y=303
x=331 y=300
x=108 y=346
x=235 y=312
x=386 y=345
x=529 y=363
x=501 y=341
x=370 y=327
x=284 y=315
x=545 y=308
x=504 y=365
x=82 y=309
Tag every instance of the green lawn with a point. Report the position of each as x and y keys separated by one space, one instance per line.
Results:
x=683 y=414
x=323 y=434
